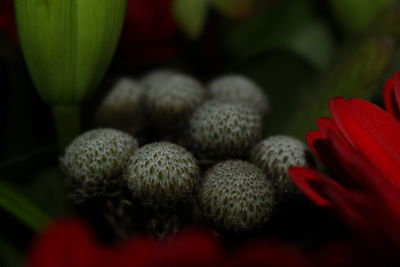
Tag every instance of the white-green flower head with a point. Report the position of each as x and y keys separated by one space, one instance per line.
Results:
x=223 y=130
x=173 y=101
x=162 y=175
x=236 y=196
x=95 y=160
x=123 y=108
x=156 y=77
x=239 y=89
x=275 y=155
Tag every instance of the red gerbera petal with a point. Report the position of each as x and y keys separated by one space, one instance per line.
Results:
x=65 y=243
x=391 y=95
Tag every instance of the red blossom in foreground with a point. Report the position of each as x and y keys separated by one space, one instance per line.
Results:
x=360 y=147
x=69 y=242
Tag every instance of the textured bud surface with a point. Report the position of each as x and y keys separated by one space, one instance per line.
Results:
x=239 y=89
x=174 y=100
x=162 y=174
x=156 y=77
x=122 y=108
x=275 y=155
x=94 y=161
x=236 y=196
x=222 y=130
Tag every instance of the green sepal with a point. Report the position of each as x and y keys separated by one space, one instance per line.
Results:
x=68 y=44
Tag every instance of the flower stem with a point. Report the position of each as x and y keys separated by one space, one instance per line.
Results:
x=67 y=121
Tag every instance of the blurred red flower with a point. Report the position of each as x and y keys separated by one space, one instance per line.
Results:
x=361 y=149
x=7 y=22
x=149 y=31
x=69 y=242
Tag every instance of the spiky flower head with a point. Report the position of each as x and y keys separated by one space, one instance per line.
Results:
x=223 y=130
x=236 y=196
x=122 y=108
x=275 y=155
x=155 y=77
x=239 y=89
x=94 y=162
x=162 y=175
x=173 y=101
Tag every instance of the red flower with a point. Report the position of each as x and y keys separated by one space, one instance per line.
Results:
x=149 y=30
x=7 y=22
x=360 y=147
x=392 y=95
x=69 y=242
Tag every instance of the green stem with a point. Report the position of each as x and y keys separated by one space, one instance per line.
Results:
x=67 y=121
x=22 y=208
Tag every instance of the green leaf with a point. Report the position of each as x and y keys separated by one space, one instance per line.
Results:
x=262 y=31
x=281 y=74
x=9 y=255
x=234 y=8
x=16 y=204
x=356 y=15
x=68 y=44
x=313 y=42
x=358 y=73
x=191 y=16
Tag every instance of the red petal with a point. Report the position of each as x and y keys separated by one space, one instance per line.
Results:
x=192 y=248
x=391 y=95
x=371 y=132
x=65 y=243
x=262 y=253
x=141 y=251
x=332 y=149
x=308 y=181
x=324 y=191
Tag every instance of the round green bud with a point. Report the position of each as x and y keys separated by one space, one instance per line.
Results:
x=236 y=196
x=122 y=108
x=222 y=130
x=173 y=101
x=94 y=162
x=162 y=175
x=275 y=155
x=239 y=89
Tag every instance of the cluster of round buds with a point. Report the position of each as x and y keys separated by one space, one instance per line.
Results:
x=275 y=155
x=172 y=100
x=220 y=131
x=94 y=162
x=122 y=108
x=162 y=175
x=236 y=196
x=239 y=89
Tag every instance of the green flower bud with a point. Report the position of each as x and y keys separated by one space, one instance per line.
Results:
x=123 y=108
x=172 y=101
x=236 y=196
x=162 y=175
x=275 y=155
x=239 y=89
x=68 y=44
x=222 y=131
x=94 y=162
